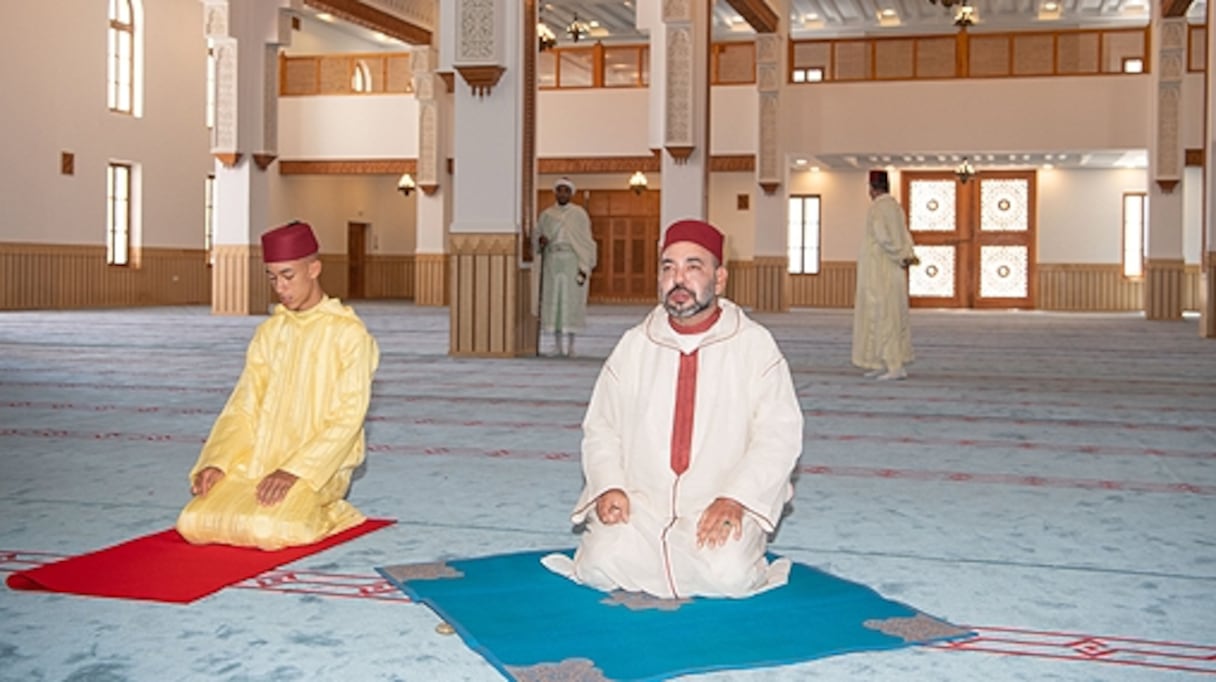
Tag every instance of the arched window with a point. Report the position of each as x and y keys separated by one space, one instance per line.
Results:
x=121 y=57
x=361 y=79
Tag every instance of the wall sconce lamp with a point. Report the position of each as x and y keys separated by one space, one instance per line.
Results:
x=638 y=182
x=965 y=171
x=405 y=184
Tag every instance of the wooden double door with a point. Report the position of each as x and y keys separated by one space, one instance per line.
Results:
x=975 y=239
x=625 y=226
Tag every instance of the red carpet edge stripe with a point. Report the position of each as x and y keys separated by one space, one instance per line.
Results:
x=1146 y=653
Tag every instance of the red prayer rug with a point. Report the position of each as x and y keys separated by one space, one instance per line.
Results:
x=164 y=567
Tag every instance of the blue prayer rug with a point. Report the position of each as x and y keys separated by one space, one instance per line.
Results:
x=533 y=624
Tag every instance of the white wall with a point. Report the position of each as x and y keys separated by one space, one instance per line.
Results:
x=348 y=127
x=53 y=74
x=734 y=112
x=329 y=202
x=602 y=122
x=615 y=122
x=1080 y=217
x=844 y=202
x=974 y=115
x=724 y=213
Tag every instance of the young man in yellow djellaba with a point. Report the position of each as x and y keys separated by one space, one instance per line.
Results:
x=277 y=466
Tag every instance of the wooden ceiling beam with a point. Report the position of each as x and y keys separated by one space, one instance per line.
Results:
x=369 y=17
x=758 y=14
x=1175 y=8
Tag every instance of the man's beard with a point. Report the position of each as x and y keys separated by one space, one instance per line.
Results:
x=690 y=308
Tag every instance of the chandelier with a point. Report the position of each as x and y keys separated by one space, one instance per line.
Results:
x=578 y=29
x=965 y=171
x=545 y=39
x=965 y=16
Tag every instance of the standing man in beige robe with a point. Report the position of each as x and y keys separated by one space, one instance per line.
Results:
x=568 y=255
x=689 y=443
x=882 y=339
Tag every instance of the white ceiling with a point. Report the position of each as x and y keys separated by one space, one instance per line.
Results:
x=614 y=19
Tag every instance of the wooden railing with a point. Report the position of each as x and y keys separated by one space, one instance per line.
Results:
x=346 y=74
x=971 y=55
x=628 y=66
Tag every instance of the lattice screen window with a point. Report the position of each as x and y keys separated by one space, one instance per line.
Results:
x=931 y=206
x=735 y=63
x=1077 y=53
x=625 y=67
x=576 y=68
x=1117 y=46
x=1003 y=271
x=1003 y=205
x=934 y=277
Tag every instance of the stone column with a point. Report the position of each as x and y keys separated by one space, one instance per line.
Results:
x=245 y=35
x=679 y=103
x=494 y=106
x=770 y=268
x=1164 y=266
x=434 y=183
x=1207 y=298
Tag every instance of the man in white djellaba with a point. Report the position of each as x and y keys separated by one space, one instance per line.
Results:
x=568 y=254
x=882 y=337
x=689 y=442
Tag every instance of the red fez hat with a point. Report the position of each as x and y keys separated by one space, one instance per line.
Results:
x=878 y=178
x=697 y=232
x=292 y=241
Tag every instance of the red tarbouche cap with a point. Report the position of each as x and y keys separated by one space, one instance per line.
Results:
x=292 y=241
x=697 y=232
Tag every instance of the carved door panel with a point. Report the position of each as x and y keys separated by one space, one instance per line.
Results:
x=625 y=226
x=975 y=239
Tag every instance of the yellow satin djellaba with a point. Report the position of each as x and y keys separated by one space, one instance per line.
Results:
x=298 y=406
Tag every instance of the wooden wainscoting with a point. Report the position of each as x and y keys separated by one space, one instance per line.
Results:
x=1087 y=287
x=238 y=281
x=489 y=310
x=761 y=284
x=1207 y=296
x=1192 y=287
x=431 y=279
x=384 y=276
x=741 y=284
x=834 y=287
x=335 y=275
x=389 y=276
x=54 y=276
x=1163 y=285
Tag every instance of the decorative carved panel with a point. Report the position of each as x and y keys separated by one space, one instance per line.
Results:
x=476 y=32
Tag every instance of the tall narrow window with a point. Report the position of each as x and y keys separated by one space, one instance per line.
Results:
x=121 y=57
x=118 y=214
x=210 y=87
x=361 y=79
x=209 y=219
x=804 y=235
x=1135 y=224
